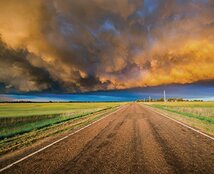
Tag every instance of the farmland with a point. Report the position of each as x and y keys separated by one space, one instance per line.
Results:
x=197 y=114
x=23 y=123
x=33 y=109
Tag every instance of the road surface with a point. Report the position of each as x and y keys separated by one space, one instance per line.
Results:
x=132 y=140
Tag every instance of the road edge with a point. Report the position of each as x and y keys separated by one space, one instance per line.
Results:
x=179 y=122
x=59 y=140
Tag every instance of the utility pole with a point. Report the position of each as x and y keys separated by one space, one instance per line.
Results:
x=164 y=96
x=149 y=98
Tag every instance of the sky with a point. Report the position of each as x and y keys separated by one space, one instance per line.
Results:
x=195 y=91
x=74 y=46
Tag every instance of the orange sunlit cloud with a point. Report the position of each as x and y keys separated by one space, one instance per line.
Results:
x=99 y=45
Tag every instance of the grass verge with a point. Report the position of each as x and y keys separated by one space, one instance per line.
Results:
x=204 y=124
x=23 y=140
x=203 y=118
x=24 y=127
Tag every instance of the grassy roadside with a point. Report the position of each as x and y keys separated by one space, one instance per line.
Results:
x=20 y=118
x=26 y=139
x=186 y=114
x=11 y=130
x=194 y=115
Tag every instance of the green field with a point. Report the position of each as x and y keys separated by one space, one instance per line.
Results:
x=35 y=109
x=24 y=123
x=196 y=114
x=19 y=118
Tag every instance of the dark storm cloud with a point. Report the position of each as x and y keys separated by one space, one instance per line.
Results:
x=16 y=71
x=105 y=44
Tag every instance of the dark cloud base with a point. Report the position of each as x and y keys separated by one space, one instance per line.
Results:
x=15 y=62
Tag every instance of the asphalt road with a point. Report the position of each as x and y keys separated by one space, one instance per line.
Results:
x=133 y=140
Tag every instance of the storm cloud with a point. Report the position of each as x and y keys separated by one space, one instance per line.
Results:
x=105 y=44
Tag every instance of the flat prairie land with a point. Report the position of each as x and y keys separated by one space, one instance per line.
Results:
x=24 y=123
x=197 y=114
x=35 y=109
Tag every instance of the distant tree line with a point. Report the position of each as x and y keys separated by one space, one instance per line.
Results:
x=169 y=100
x=23 y=101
